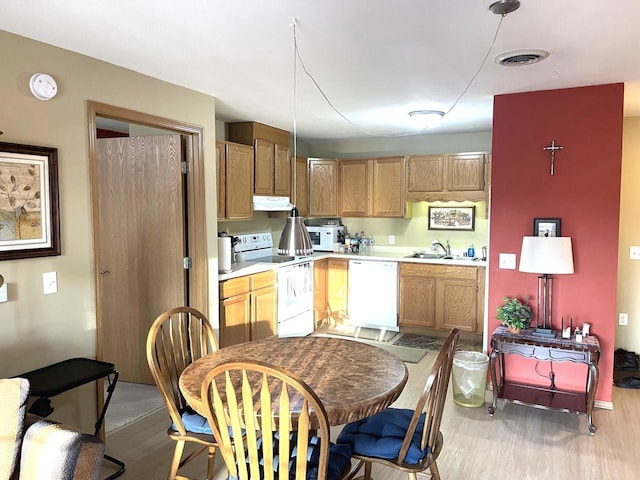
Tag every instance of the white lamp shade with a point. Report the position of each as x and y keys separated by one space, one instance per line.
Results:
x=551 y=255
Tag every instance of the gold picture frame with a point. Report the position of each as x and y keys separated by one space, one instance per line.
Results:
x=29 y=210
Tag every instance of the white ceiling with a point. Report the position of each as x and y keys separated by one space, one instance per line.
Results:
x=375 y=60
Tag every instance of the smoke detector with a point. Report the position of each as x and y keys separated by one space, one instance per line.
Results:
x=518 y=58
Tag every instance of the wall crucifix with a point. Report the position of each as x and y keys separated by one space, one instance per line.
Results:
x=552 y=149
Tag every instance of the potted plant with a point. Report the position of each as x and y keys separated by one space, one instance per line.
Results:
x=514 y=313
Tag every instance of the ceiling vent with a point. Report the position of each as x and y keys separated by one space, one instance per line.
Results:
x=521 y=57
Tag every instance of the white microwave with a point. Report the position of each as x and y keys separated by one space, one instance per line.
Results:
x=323 y=238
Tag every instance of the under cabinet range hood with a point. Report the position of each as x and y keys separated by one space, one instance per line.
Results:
x=271 y=204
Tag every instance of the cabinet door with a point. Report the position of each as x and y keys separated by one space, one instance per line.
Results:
x=338 y=290
x=425 y=173
x=388 y=199
x=235 y=318
x=323 y=188
x=417 y=301
x=465 y=172
x=457 y=304
x=320 y=268
x=239 y=181
x=354 y=187
x=301 y=198
x=282 y=171
x=264 y=168
x=264 y=322
x=221 y=178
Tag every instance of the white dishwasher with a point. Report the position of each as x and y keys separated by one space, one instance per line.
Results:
x=373 y=294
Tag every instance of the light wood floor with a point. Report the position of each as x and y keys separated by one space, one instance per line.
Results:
x=518 y=442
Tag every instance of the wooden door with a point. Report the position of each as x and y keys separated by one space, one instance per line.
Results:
x=417 y=301
x=141 y=246
x=354 y=188
x=264 y=320
x=320 y=268
x=457 y=304
x=235 y=320
x=425 y=173
x=338 y=290
x=465 y=172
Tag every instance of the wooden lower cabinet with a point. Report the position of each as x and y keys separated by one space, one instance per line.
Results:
x=248 y=308
x=441 y=296
x=338 y=290
x=320 y=310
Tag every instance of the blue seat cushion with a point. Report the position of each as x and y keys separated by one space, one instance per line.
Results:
x=339 y=458
x=381 y=435
x=195 y=423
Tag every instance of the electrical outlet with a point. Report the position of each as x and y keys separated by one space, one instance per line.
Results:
x=623 y=319
x=507 y=261
x=634 y=253
x=392 y=239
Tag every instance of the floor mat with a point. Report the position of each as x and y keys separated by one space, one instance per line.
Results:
x=430 y=343
x=409 y=355
x=361 y=333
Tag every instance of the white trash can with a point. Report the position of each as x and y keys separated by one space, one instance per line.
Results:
x=469 y=375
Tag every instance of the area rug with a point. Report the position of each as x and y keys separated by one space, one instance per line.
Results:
x=430 y=343
x=131 y=402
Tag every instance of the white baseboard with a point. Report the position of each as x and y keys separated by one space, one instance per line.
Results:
x=603 y=405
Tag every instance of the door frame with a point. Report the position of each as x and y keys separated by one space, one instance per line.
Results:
x=195 y=218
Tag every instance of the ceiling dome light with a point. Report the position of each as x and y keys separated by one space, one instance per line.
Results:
x=518 y=58
x=427 y=118
x=503 y=7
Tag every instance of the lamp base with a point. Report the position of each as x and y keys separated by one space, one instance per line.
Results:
x=544 y=332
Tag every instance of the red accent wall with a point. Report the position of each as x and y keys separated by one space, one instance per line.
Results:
x=584 y=192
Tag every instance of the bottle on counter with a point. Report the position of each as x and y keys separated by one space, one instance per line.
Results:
x=471 y=252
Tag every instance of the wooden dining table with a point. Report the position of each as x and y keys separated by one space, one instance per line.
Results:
x=352 y=379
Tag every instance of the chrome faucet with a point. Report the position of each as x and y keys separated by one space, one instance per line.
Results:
x=446 y=250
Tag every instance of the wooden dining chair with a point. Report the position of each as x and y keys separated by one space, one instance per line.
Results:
x=267 y=423
x=177 y=338
x=404 y=439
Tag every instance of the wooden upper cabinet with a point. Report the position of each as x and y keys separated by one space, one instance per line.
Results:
x=272 y=156
x=221 y=179
x=465 y=172
x=301 y=188
x=425 y=173
x=452 y=177
x=372 y=187
x=264 y=168
x=323 y=187
x=282 y=171
x=235 y=181
x=388 y=198
x=354 y=187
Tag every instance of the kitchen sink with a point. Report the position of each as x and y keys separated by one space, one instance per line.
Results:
x=429 y=255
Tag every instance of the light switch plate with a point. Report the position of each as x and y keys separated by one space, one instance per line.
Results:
x=49 y=283
x=3 y=293
x=507 y=261
x=634 y=253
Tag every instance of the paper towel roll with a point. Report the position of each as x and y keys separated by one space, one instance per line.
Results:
x=224 y=254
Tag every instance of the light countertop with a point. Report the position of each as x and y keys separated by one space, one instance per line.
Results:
x=394 y=254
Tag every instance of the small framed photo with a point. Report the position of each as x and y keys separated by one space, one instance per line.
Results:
x=546 y=227
x=452 y=218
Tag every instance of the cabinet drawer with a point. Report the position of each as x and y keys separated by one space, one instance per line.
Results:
x=262 y=280
x=432 y=270
x=235 y=286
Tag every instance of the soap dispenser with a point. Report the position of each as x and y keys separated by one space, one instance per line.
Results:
x=471 y=252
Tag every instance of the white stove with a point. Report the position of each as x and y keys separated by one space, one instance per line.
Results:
x=295 y=283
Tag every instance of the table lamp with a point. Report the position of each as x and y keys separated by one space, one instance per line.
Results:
x=546 y=256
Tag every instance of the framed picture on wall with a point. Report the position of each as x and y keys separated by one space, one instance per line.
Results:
x=546 y=227
x=452 y=218
x=29 y=215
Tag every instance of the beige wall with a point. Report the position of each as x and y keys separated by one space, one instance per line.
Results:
x=36 y=330
x=628 y=300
